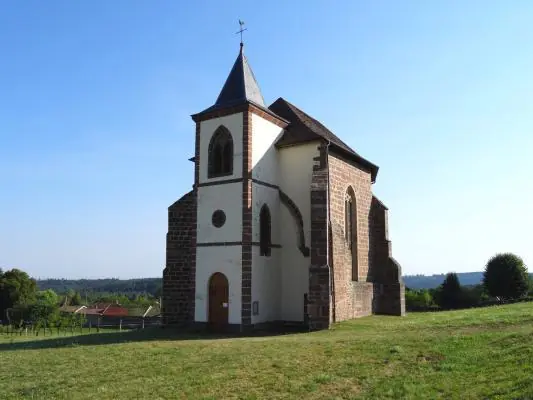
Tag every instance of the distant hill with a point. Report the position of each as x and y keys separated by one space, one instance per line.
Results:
x=153 y=285
x=118 y=286
x=432 y=281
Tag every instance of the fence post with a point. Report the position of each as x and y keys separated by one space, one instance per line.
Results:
x=143 y=322
x=120 y=325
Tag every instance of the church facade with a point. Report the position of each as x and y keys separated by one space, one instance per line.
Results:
x=281 y=226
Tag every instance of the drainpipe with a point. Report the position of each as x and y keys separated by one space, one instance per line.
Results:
x=328 y=219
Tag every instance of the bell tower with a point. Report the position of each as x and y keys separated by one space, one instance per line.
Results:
x=224 y=186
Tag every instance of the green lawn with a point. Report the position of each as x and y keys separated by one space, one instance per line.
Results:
x=470 y=354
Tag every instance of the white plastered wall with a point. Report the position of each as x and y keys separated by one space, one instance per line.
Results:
x=264 y=154
x=296 y=162
x=266 y=279
x=228 y=198
x=266 y=271
x=224 y=259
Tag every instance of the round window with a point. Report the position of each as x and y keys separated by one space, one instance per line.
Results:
x=218 y=219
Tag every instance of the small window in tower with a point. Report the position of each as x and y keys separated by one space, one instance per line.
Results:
x=265 y=231
x=220 y=158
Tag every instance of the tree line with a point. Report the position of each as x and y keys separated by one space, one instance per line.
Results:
x=505 y=279
x=146 y=286
x=22 y=300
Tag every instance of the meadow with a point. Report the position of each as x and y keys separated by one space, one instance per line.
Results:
x=482 y=353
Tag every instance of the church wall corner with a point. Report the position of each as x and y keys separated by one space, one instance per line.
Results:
x=320 y=294
x=180 y=265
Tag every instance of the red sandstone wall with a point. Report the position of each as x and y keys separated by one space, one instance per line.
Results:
x=386 y=271
x=179 y=274
x=351 y=298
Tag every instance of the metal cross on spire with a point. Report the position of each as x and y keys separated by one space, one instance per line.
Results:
x=241 y=24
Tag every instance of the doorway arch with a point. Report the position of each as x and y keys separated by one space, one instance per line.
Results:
x=218 y=311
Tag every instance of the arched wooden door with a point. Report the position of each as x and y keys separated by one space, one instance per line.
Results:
x=218 y=301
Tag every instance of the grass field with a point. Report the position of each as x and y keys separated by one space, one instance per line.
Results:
x=469 y=354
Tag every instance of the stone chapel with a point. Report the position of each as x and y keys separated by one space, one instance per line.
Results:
x=281 y=226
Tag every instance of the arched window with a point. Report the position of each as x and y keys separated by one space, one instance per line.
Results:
x=265 y=231
x=220 y=158
x=350 y=229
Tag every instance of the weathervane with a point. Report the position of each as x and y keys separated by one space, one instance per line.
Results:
x=241 y=23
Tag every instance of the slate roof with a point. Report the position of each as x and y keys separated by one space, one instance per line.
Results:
x=241 y=86
x=304 y=128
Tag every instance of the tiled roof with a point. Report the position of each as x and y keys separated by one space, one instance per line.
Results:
x=304 y=128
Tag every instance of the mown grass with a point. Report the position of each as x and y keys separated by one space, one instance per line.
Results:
x=470 y=354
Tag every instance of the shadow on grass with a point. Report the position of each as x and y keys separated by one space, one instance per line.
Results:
x=145 y=335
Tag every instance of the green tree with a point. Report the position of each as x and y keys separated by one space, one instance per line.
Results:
x=73 y=298
x=16 y=289
x=45 y=311
x=506 y=276
x=418 y=299
x=76 y=299
x=450 y=293
x=474 y=295
x=47 y=297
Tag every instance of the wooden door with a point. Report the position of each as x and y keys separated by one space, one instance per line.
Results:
x=218 y=301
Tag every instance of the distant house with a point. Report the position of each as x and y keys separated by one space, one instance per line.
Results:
x=72 y=309
x=145 y=312
x=111 y=314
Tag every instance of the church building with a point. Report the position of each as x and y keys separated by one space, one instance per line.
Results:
x=281 y=226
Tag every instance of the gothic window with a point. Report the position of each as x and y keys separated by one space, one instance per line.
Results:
x=220 y=158
x=350 y=229
x=265 y=231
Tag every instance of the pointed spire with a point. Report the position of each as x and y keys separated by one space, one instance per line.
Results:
x=240 y=85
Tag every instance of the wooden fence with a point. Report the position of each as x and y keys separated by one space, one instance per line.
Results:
x=91 y=325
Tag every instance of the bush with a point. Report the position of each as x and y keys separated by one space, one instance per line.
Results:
x=418 y=299
x=506 y=277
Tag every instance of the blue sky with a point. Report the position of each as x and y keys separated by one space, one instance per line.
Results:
x=95 y=127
